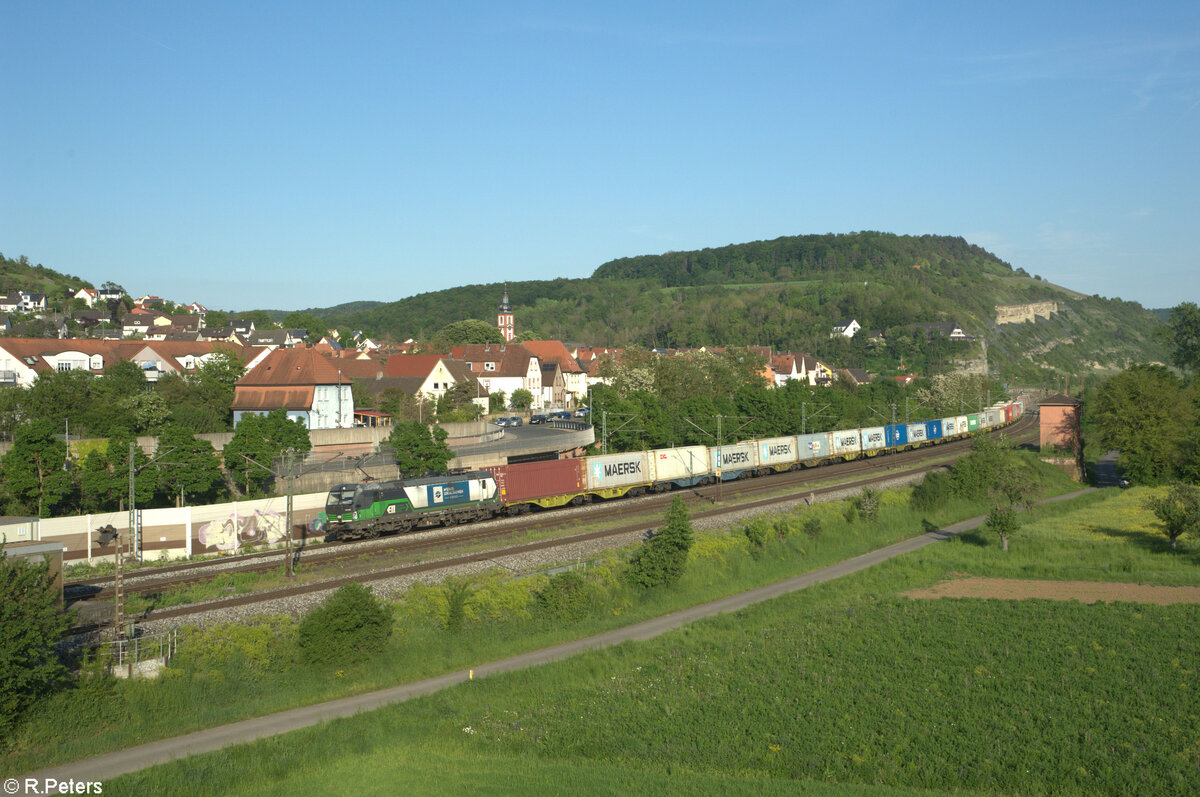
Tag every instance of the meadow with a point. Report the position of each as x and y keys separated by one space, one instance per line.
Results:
x=847 y=687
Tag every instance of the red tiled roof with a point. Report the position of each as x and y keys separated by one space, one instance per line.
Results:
x=265 y=399
x=411 y=364
x=553 y=351
x=293 y=367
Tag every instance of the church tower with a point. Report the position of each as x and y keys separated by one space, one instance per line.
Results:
x=504 y=317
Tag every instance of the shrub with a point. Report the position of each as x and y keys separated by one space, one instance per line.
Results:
x=458 y=592
x=850 y=513
x=351 y=624
x=812 y=527
x=867 y=503
x=567 y=596
x=756 y=533
x=661 y=559
x=934 y=491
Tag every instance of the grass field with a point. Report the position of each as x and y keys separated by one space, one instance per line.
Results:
x=844 y=688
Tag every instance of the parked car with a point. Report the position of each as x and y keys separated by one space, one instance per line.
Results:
x=514 y=420
x=501 y=421
x=537 y=417
x=564 y=415
x=583 y=412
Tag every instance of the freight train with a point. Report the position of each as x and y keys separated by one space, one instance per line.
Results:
x=369 y=509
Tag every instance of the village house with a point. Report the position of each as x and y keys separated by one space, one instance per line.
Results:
x=302 y=382
x=503 y=367
x=847 y=327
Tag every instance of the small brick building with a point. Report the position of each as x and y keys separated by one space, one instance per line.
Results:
x=1060 y=418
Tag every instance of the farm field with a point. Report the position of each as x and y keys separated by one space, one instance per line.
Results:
x=847 y=687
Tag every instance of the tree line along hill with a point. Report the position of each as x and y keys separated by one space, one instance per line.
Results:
x=787 y=293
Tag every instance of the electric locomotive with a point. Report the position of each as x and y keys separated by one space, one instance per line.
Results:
x=366 y=510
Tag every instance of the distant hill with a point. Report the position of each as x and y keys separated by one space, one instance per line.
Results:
x=788 y=292
x=21 y=275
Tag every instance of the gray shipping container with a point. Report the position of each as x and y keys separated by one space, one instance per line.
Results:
x=619 y=470
x=815 y=446
x=949 y=427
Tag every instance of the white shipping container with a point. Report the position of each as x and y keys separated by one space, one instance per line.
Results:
x=962 y=424
x=619 y=470
x=680 y=463
x=777 y=451
x=734 y=458
x=916 y=433
x=873 y=438
x=846 y=441
x=815 y=446
x=949 y=427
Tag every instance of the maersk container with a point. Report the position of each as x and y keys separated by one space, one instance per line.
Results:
x=973 y=422
x=897 y=435
x=619 y=470
x=732 y=461
x=949 y=428
x=814 y=446
x=533 y=482
x=682 y=466
x=776 y=451
x=445 y=491
x=874 y=438
x=846 y=442
x=963 y=424
x=933 y=430
x=917 y=432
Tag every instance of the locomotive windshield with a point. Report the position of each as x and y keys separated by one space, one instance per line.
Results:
x=340 y=499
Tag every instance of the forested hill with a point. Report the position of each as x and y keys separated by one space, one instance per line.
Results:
x=806 y=257
x=21 y=275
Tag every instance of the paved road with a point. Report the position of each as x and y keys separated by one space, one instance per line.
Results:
x=111 y=765
x=1106 y=470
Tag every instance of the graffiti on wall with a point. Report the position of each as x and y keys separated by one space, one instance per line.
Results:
x=236 y=531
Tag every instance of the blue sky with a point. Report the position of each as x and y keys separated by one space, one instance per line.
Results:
x=291 y=155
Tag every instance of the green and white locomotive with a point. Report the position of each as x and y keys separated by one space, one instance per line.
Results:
x=369 y=509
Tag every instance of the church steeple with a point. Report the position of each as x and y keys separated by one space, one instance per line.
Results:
x=504 y=317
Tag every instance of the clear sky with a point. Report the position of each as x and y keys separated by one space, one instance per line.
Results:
x=290 y=154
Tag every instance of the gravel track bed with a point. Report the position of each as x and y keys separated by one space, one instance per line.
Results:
x=523 y=564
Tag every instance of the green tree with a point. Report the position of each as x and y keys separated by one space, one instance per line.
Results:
x=469 y=331
x=662 y=558
x=1178 y=509
x=35 y=471
x=257 y=442
x=496 y=401
x=1183 y=336
x=521 y=399
x=352 y=624
x=30 y=626
x=420 y=448
x=215 y=319
x=187 y=467
x=314 y=326
x=1146 y=413
x=1011 y=493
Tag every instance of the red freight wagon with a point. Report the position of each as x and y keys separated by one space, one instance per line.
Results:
x=1008 y=413
x=552 y=482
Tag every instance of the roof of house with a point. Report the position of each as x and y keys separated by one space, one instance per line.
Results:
x=511 y=359
x=553 y=351
x=855 y=375
x=356 y=367
x=1060 y=400
x=844 y=323
x=412 y=364
x=267 y=398
x=293 y=367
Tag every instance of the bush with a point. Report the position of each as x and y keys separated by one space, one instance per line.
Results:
x=756 y=532
x=850 y=513
x=661 y=559
x=812 y=527
x=932 y=493
x=351 y=624
x=867 y=503
x=567 y=596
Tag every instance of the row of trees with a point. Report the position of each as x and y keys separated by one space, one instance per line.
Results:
x=38 y=477
x=656 y=402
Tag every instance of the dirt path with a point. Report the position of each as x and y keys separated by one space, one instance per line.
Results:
x=1084 y=591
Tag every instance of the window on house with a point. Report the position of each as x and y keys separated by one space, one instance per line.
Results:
x=489 y=366
x=64 y=366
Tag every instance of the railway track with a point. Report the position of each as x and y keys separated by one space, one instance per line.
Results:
x=789 y=483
